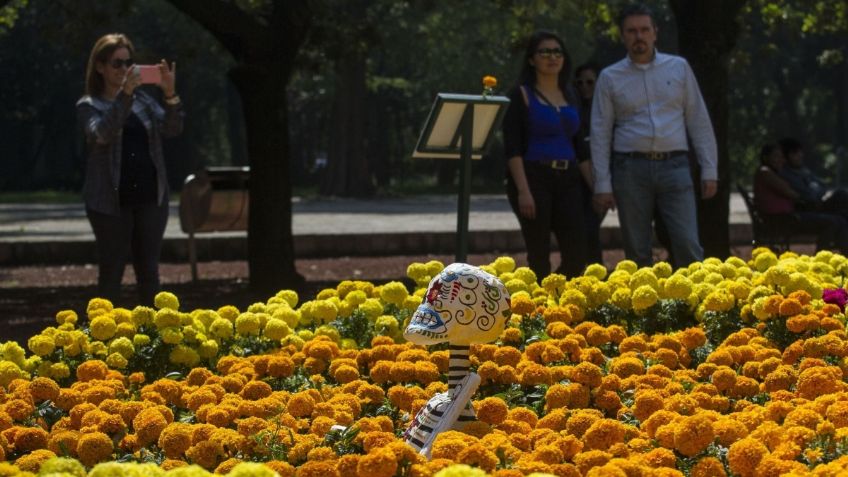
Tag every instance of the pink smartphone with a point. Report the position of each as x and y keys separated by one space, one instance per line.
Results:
x=150 y=74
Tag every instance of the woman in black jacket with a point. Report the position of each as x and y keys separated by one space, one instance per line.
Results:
x=126 y=188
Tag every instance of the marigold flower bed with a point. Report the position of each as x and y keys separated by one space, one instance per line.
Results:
x=722 y=368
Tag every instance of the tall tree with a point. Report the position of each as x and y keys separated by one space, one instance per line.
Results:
x=707 y=33
x=264 y=39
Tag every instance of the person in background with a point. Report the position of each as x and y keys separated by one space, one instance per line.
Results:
x=644 y=108
x=585 y=77
x=543 y=181
x=775 y=199
x=814 y=194
x=126 y=189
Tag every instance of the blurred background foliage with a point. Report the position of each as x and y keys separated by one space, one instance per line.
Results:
x=366 y=77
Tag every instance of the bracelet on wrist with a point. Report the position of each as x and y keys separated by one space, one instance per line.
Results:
x=172 y=100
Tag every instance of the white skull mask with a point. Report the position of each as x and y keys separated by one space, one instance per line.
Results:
x=463 y=305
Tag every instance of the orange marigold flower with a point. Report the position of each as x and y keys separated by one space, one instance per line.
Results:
x=744 y=456
x=28 y=439
x=693 y=435
x=603 y=434
x=32 y=461
x=175 y=439
x=378 y=463
x=587 y=460
x=708 y=467
x=91 y=370
x=148 y=424
x=491 y=410
x=94 y=447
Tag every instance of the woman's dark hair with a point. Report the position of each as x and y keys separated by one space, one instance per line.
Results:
x=789 y=145
x=100 y=53
x=588 y=66
x=527 y=76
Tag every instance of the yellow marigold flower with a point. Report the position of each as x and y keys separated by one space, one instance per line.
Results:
x=182 y=354
x=41 y=345
x=221 y=328
x=644 y=297
x=526 y=275
x=516 y=285
x=573 y=297
x=247 y=324
x=140 y=340
x=62 y=466
x=94 y=447
x=596 y=270
x=621 y=298
x=166 y=300
x=521 y=304
x=371 y=308
x=166 y=318
x=719 y=300
x=142 y=315
x=553 y=283
x=394 y=293
x=276 y=329
x=122 y=346
x=98 y=305
x=744 y=456
x=116 y=361
x=460 y=470
x=66 y=316
x=171 y=335
x=103 y=327
x=628 y=266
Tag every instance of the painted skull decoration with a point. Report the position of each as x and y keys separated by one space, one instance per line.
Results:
x=463 y=305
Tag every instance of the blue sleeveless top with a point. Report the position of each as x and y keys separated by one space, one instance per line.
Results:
x=549 y=136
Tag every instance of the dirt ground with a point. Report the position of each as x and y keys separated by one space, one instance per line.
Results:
x=30 y=297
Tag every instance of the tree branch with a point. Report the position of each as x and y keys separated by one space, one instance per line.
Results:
x=236 y=29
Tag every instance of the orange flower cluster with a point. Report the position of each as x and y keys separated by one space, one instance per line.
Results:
x=573 y=398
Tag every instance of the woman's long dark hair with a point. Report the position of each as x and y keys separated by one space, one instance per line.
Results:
x=527 y=75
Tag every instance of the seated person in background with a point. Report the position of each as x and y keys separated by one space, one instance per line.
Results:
x=812 y=190
x=775 y=199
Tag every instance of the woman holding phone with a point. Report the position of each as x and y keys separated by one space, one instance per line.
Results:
x=126 y=189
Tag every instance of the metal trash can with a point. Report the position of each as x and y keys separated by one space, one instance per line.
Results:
x=213 y=200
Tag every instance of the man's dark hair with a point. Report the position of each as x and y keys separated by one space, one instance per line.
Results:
x=789 y=145
x=632 y=10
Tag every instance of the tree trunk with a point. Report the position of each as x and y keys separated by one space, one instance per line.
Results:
x=347 y=172
x=265 y=50
x=840 y=92
x=270 y=241
x=707 y=33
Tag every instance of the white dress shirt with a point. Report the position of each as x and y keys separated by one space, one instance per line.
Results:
x=649 y=108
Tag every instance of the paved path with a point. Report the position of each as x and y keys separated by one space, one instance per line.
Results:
x=57 y=233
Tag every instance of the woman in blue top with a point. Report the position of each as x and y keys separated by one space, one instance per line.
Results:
x=543 y=180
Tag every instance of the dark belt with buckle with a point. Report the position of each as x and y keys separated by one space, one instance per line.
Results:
x=651 y=156
x=556 y=165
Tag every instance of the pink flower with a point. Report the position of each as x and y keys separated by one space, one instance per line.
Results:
x=836 y=296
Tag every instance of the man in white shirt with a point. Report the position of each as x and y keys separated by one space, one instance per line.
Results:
x=644 y=108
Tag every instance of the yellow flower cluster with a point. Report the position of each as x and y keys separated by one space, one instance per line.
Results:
x=572 y=387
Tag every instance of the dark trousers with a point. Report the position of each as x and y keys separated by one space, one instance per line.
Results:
x=594 y=251
x=559 y=209
x=138 y=231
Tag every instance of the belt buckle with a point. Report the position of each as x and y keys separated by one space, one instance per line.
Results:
x=559 y=165
x=657 y=156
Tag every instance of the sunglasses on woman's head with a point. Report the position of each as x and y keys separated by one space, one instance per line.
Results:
x=117 y=63
x=549 y=52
